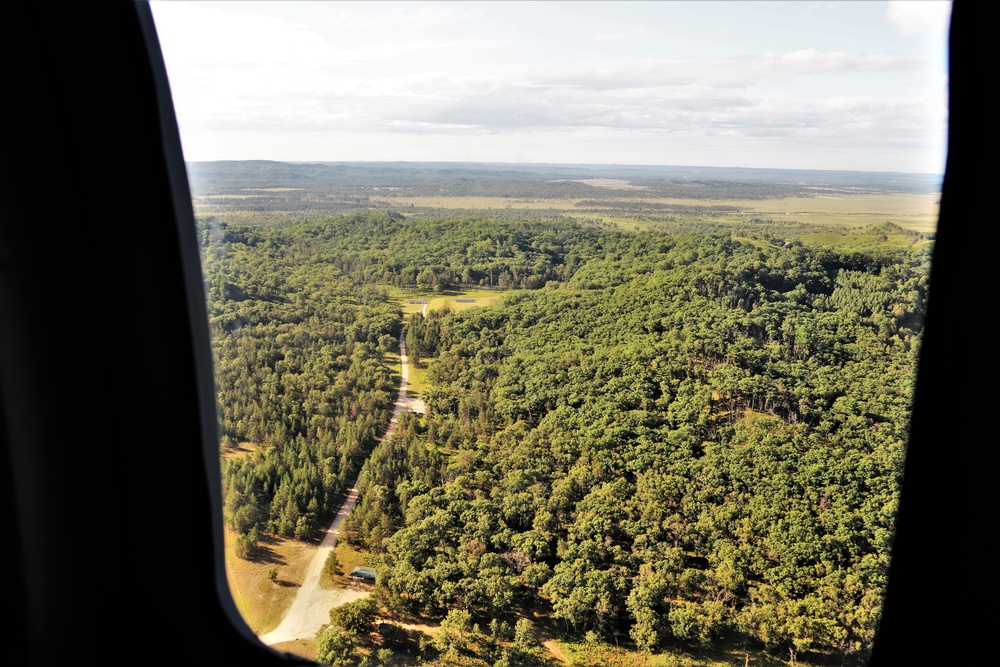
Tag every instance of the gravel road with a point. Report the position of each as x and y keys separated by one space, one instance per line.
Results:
x=310 y=609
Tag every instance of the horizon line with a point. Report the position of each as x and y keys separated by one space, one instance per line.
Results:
x=570 y=164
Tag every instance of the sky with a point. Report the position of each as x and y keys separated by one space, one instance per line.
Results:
x=796 y=85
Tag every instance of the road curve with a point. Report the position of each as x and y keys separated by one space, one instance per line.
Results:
x=310 y=609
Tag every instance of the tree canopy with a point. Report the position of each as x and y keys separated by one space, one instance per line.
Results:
x=668 y=438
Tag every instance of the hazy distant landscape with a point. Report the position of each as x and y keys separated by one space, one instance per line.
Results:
x=666 y=408
x=663 y=198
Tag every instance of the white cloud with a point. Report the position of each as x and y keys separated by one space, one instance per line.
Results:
x=415 y=77
x=634 y=35
x=822 y=6
x=913 y=17
x=213 y=38
x=741 y=72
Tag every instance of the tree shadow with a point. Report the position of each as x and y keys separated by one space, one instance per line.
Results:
x=265 y=554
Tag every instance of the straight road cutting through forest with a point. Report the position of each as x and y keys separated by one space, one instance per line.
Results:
x=310 y=609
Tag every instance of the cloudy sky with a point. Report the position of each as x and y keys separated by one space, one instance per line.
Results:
x=809 y=85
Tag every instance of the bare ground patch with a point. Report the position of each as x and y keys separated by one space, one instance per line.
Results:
x=263 y=601
x=615 y=183
x=242 y=449
x=304 y=648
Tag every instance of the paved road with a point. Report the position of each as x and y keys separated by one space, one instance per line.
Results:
x=310 y=609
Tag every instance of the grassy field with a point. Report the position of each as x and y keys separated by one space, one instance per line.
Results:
x=243 y=449
x=860 y=241
x=478 y=203
x=910 y=211
x=479 y=299
x=917 y=212
x=392 y=360
x=448 y=298
x=261 y=601
x=418 y=380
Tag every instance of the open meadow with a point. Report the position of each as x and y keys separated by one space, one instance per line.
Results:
x=837 y=208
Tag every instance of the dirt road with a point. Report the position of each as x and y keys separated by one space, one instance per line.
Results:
x=311 y=607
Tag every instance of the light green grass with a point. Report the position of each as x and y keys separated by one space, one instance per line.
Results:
x=856 y=241
x=917 y=212
x=418 y=381
x=444 y=299
x=393 y=361
x=449 y=301
x=410 y=308
x=478 y=202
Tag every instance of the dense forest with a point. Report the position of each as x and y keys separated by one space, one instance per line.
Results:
x=660 y=439
x=300 y=372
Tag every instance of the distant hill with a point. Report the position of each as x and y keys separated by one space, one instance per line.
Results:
x=541 y=180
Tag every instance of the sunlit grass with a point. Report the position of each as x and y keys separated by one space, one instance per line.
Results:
x=479 y=298
x=917 y=212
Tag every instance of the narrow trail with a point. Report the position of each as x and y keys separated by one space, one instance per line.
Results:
x=554 y=649
x=310 y=609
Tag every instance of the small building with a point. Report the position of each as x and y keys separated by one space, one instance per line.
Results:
x=365 y=574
